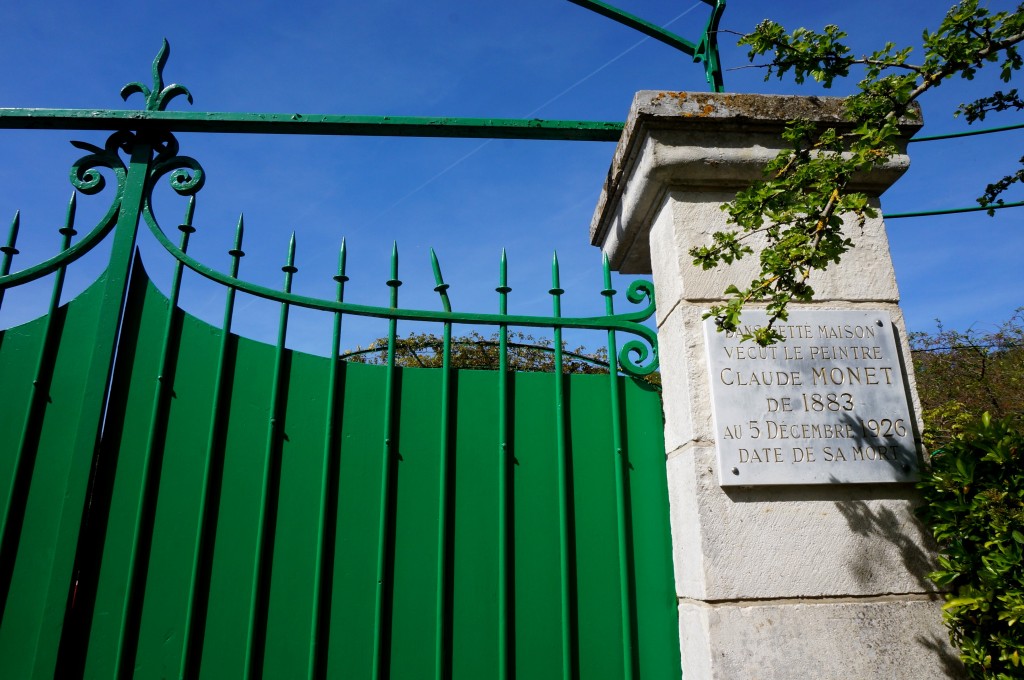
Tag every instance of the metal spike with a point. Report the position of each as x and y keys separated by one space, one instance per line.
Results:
x=340 y=277
x=556 y=289
x=12 y=235
x=186 y=227
x=190 y=211
x=289 y=267
x=436 y=266
x=441 y=287
x=393 y=282
x=239 y=233
x=341 y=258
x=69 y=220
x=503 y=289
x=68 y=230
x=9 y=251
x=503 y=273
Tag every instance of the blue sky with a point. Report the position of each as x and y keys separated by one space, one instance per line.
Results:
x=466 y=198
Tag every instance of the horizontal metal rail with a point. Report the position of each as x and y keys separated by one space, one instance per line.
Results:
x=311 y=124
x=638 y=24
x=953 y=211
x=967 y=133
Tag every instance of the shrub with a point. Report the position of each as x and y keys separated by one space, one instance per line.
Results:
x=974 y=506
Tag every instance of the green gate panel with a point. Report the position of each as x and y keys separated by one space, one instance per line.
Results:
x=474 y=626
x=291 y=591
x=351 y=630
x=167 y=588
x=413 y=600
x=658 y=654
x=597 y=577
x=536 y=555
x=46 y=507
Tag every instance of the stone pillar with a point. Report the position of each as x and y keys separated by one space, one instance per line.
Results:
x=774 y=582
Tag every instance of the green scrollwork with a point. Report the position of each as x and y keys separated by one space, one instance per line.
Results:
x=187 y=176
x=159 y=96
x=635 y=358
x=85 y=177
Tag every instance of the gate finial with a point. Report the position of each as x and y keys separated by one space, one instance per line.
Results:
x=159 y=97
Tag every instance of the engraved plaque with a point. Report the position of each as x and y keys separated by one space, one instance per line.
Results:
x=827 y=406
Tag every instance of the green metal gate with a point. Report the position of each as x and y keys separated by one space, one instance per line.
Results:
x=179 y=501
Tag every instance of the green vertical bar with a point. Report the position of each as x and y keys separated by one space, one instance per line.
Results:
x=144 y=510
x=88 y=425
x=442 y=487
x=253 y=650
x=37 y=399
x=620 y=485
x=197 y=580
x=385 y=477
x=26 y=448
x=563 y=476
x=328 y=472
x=503 y=454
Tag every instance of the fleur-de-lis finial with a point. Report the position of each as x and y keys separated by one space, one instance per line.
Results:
x=159 y=96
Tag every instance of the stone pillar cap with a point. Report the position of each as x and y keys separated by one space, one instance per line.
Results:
x=702 y=141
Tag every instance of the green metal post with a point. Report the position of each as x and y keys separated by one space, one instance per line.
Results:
x=321 y=600
x=440 y=643
x=264 y=554
x=150 y=475
x=563 y=476
x=94 y=399
x=503 y=460
x=625 y=605
x=379 y=619
x=198 y=588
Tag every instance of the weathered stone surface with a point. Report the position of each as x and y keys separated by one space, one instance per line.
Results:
x=700 y=141
x=878 y=639
x=791 y=541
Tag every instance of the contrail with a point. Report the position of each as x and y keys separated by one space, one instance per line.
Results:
x=558 y=96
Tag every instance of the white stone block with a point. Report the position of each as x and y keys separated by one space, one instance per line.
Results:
x=878 y=639
x=792 y=541
x=865 y=273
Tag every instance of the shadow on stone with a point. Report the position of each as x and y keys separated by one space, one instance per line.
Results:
x=910 y=538
x=951 y=663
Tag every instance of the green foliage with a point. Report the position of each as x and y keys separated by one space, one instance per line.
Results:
x=963 y=374
x=971 y=386
x=974 y=506
x=798 y=210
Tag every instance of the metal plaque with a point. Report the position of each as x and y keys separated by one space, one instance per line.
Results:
x=829 y=405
